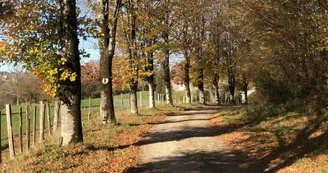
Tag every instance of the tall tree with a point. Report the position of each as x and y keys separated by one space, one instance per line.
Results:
x=149 y=24
x=184 y=37
x=230 y=63
x=216 y=41
x=108 y=14
x=131 y=43
x=165 y=61
x=200 y=59
x=70 y=89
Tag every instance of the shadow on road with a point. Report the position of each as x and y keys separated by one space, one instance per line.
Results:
x=199 y=162
x=195 y=161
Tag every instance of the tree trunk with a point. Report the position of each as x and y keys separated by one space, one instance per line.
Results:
x=216 y=82
x=133 y=56
x=245 y=88
x=17 y=100
x=167 y=78
x=187 y=51
x=107 y=112
x=133 y=100
x=166 y=62
x=200 y=36
x=150 y=78
x=187 y=77
x=70 y=90
x=151 y=95
x=107 y=44
x=201 y=93
x=231 y=82
x=216 y=90
x=200 y=78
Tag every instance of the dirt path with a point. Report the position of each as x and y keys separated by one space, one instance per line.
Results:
x=185 y=142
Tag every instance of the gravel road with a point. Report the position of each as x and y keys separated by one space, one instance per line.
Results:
x=185 y=142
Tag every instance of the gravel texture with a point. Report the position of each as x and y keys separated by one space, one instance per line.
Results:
x=185 y=142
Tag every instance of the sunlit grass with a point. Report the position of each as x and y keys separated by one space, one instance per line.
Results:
x=100 y=142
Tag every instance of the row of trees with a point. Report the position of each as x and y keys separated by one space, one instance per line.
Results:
x=18 y=87
x=288 y=43
x=278 y=47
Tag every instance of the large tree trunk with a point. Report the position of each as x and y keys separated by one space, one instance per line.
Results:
x=150 y=78
x=166 y=62
x=133 y=55
x=200 y=76
x=151 y=93
x=201 y=87
x=187 y=77
x=231 y=82
x=245 y=88
x=167 y=78
x=107 y=44
x=187 y=41
x=133 y=100
x=70 y=90
x=216 y=89
x=200 y=35
x=216 y=78
x=107 y=112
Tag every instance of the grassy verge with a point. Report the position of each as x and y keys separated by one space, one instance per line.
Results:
x=292 y=142
x=106 y=148
x=84 y=107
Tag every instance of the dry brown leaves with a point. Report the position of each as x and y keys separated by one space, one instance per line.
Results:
x=261 y=141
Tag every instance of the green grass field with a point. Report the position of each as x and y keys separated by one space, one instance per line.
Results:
x=84 y=108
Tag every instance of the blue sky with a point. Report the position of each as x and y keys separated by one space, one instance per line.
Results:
x=87 y=45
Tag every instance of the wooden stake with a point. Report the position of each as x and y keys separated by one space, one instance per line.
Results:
x=10 y=132
x=34 y=125
x=42 y=114
x=56 y=115
x=90 y=106
x=48 y=117
x=20 y=130
x=27 y=113
x=140 y=99
x=122 y=101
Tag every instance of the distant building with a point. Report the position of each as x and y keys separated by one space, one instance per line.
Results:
x=178 y=86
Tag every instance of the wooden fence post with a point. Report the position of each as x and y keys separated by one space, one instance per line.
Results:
x=90 y=106
x=140 y=99
x=34 y=125
x=56 y=115
x=175 y=99
x=163 y=98
x=59 y=115
x=27 y=113
x=10 y=132
x=42 y=114
x=48 y=117
x=20 y=130
x=122 y=101
x=130 y=100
